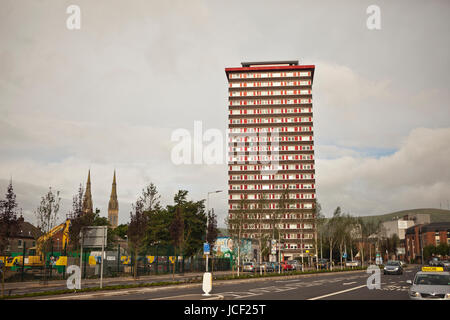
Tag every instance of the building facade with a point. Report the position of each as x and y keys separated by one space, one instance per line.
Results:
x=271 y=154
x=23 y=239
x=420 y=236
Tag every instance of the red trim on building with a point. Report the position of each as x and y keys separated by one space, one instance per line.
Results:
x=242 y=69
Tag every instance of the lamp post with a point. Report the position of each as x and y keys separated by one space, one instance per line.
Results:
x=207 y=214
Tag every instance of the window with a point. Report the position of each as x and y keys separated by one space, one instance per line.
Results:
x=19 y=243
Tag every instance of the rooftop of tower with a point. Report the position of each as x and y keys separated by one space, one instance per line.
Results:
x=270 y=63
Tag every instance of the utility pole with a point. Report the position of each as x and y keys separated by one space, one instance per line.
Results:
x=421 y=244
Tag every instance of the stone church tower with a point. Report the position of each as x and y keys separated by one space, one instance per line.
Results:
x=113 y=206
x=87 y=200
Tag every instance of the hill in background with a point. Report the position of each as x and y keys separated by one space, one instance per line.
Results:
x=436 y=215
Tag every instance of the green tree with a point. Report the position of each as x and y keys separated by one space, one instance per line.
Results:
x=137 y=229
x=332 y=232
x=235 y=225
x=9 y=225
x=176 y=230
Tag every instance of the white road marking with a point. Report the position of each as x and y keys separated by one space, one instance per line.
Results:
x=347 y=283
x=339 y=292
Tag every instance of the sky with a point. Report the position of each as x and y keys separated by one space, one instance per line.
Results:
x=109 y=96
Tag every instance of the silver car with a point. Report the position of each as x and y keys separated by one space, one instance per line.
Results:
x=430 y=286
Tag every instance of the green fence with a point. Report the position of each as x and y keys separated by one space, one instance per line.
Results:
x=152 y=261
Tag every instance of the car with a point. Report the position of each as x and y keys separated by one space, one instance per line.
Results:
x=276 y=266
x=322 y=264
x=355 y=263
x=393 y=267
x=285 y=266
x=432 y=283
x=267 y=267
x=446 y=265
x=295 y=264
x=249 y=267
x=434 y=263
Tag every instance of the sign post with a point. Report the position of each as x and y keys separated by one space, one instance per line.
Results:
x=95 y=237
x=207 y=277
x=206 y=251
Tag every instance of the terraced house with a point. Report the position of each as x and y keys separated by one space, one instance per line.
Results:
x=271 y=153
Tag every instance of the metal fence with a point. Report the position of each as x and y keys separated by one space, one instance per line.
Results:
x=118 y=263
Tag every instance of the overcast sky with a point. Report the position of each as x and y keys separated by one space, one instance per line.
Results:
x=110 y=95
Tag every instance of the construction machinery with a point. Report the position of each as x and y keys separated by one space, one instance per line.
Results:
x=36 y=257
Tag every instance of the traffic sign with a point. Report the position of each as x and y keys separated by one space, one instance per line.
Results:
x=206 y=248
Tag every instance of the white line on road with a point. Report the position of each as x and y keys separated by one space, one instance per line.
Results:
x=335 y=293
x=347 y=283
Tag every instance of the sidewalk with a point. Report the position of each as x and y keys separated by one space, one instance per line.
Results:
x=61 y=284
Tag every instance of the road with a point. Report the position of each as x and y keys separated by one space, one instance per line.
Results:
x=330 y=286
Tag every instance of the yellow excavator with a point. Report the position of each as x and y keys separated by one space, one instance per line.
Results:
x=36 y=257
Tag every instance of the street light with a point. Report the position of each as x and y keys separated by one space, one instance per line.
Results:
x=207 y=216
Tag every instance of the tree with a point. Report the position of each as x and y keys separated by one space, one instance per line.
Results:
x=78 y=219
x=177 y=233
x=47 y=218
x=320 y=227
x=331 y=231
x=235 y=224
x=9 y=225
x=121 y=231
x=260 y=205
x=137 y=229
x=212 y=233
x=151 y=199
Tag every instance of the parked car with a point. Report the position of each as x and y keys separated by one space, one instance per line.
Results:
x=393 y=267
x=296 y=265
x=446 y=264
x=249 y=267
x=267 y=267
x=285 y=266
x=353 y=263
x=323 y=264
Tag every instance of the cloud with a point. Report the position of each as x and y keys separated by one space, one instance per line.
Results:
x=109 y=95
x=415 y=176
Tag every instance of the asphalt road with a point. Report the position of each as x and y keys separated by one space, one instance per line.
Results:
x=332 y=286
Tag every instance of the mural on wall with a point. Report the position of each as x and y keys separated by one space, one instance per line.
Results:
x=225 y=247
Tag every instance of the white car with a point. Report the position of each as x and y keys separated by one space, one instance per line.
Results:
x=430 y=284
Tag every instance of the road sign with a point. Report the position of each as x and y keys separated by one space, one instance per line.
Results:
x=206 y=248
x=273 y=250
x=344 y=255
x=94 y=236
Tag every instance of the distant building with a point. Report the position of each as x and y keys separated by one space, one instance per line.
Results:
x=87 y=200
x=398 y=226
x=25 y=237
x=113 y=206
x=420 y=236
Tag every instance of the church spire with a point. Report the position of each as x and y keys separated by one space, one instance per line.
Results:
x=113 y=206
x=87 y=201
